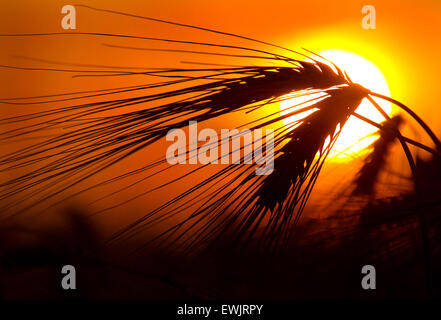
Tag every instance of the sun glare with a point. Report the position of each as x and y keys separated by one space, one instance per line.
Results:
x=356 y=134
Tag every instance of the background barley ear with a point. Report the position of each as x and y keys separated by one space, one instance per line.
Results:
x=374 y=163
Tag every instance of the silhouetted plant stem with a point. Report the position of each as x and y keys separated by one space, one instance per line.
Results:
x=421 y=216
x=412 y=114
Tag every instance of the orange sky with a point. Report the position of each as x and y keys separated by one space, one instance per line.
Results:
x=405 y=45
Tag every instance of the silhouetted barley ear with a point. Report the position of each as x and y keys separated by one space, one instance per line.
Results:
x=94 y=141
x=374 y=163
x=234 y=202
x=299 y=161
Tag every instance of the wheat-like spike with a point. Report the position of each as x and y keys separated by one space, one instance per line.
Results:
x=368 y=175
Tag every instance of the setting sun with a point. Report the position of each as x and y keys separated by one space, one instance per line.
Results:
x=356 y=134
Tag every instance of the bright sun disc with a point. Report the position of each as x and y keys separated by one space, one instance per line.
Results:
x=355 y=134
